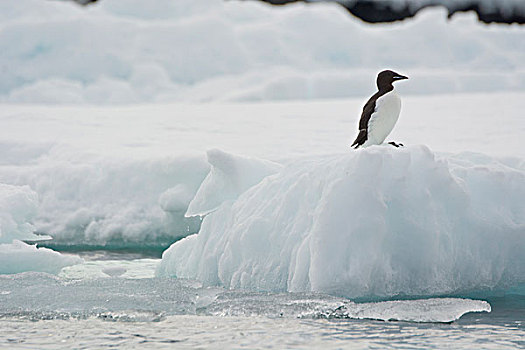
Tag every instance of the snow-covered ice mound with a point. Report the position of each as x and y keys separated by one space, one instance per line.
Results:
x=18 y=205
x=376 y=222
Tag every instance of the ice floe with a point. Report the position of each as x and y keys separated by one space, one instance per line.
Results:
x=375 y=222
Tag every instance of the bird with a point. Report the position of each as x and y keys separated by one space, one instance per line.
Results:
x=380 y=113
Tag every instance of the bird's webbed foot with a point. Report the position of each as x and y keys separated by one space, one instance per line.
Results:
x=395 y=144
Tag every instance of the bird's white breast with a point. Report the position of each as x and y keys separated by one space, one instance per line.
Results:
x=384 y=118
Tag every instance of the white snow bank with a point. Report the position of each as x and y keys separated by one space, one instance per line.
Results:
x=374 y=222
x=229 y=177
x=18 y=206
x=201 y=50
x=105 y=200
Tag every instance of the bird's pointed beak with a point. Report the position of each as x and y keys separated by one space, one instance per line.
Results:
x=399 y=77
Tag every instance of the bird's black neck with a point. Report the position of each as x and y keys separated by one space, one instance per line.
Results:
x=384 y=88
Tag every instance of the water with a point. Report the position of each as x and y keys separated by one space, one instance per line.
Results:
x=114 y=300
x=254 y=332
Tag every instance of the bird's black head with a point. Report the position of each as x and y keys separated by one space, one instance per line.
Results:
x=387 y=77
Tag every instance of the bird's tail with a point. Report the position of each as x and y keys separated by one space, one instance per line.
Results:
x=360 y=139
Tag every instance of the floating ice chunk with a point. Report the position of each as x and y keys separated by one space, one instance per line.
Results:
x=21 y=257
x=114 y=271
x=313 y=305
x=374 y=222
x=230 y=175
x=441 y=310
x=132 y=316
x=96 y=269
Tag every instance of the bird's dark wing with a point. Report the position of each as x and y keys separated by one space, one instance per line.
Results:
x=368 y=110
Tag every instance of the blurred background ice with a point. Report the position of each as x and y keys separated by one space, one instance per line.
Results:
x=130 y=51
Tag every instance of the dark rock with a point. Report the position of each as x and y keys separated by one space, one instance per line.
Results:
x=379 y=11
x=375 y=11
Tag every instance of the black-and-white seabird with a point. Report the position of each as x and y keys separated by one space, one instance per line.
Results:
x=380 y=112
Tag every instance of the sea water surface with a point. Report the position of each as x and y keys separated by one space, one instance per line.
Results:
x=114 y=300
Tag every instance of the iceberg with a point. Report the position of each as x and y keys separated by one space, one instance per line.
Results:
x=373 y=223
x=18 y=205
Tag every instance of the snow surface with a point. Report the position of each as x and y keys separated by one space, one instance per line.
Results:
x=377 y=222
x=18 y=205
x=200 y=50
